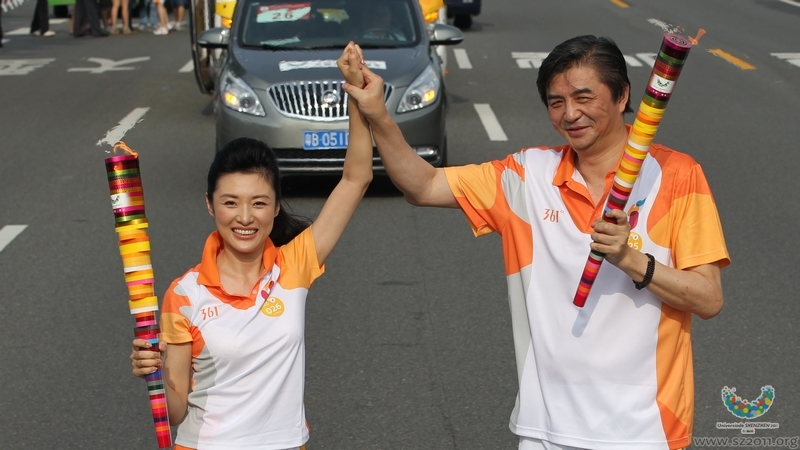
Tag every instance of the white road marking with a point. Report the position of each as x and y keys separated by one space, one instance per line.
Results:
x=58 y=21
x=529 y=60
x=648 y=58
x=666 y=27
x=6 y=40
x=8 y=233
x=116 y=134
x=533 y=60
x=19 y=32
x=490 y=123
x=11 y=4
x=632 y=61
x=108 y=65
x=791 y=2
x=22 y=66
x=188 y=67
x=791 y=58
x=462 y=59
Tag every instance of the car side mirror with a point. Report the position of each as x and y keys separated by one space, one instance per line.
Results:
x=446 y=35
x=214 y=38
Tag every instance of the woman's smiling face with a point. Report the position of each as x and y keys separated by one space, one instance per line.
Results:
x=244 y=209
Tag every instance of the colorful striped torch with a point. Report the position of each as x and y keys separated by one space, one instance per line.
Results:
x=127 y=200
x=671 y=57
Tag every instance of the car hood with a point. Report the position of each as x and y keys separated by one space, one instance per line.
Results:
x=263 y=68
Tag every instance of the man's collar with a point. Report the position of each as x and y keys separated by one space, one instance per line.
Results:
x=566 y=168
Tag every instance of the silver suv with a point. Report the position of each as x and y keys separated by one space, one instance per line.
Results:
x=278 y=81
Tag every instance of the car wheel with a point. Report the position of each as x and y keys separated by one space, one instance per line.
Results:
x=463 y=21
x=444 y=153
x=201 y=18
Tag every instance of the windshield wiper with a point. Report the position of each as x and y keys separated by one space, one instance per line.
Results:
x=374 y=46
x=274 y=47
x=327 y=47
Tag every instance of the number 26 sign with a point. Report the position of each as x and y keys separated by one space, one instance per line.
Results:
x=285 y=12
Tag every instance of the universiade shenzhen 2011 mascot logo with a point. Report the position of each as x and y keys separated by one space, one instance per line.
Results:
x=744 y=409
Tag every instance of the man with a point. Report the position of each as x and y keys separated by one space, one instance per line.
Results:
x=86 y=10
x=40 y=25
x=617 y=373
x=2 y=3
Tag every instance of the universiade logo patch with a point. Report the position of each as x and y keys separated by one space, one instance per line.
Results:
x=745 y=409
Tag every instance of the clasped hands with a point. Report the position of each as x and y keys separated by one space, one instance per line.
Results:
x=364 y=86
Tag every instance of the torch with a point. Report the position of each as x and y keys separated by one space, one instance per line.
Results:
x=667 y=68
x=127 y=201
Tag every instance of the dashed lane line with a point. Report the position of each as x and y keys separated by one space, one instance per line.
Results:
x=744 y=65
x=791 y=2
x=116 y=134
x=8 y=233
x=188 y=67
x=620 y=3
x=490 y=122
x=462 y=59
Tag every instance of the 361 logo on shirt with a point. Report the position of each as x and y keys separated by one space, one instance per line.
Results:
x=552 y=215
x=211 y=311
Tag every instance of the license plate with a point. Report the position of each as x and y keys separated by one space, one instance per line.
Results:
x=324 y=140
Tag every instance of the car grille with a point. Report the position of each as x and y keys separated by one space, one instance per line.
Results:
x=314 y=100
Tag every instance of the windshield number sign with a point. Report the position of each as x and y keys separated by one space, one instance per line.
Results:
x=324 y=140
x=287 y=12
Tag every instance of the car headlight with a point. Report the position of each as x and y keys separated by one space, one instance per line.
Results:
x=421 y=92
x=238 y=96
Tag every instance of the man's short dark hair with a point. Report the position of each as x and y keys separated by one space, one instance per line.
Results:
x=600 y=53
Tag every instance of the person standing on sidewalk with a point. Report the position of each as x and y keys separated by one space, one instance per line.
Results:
x=163 y=19
x=115 y=7
x=87 y=10
x=41 y=23
x=1 y=22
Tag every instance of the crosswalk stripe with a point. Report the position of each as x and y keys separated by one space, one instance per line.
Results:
x=791 y=58
x=490 y=122
x=462 y=59
x=188 y=67
x=8 y=233
x=19 y=32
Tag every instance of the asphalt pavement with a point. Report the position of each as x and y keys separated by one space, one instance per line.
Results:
x=408 y=334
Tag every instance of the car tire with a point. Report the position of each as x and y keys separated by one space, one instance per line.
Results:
x=201 y=18
x=463 y=21
x=444 y=153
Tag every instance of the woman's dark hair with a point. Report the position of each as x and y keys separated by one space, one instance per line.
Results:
x=601 y=53
x=245 y=155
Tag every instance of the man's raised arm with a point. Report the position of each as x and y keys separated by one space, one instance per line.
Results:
x=421 y=183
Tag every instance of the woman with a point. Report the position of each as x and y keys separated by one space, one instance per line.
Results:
x=115 y=10
x=232 y=327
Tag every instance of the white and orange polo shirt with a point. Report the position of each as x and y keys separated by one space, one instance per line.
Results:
x=617 y=373
x=248 y=352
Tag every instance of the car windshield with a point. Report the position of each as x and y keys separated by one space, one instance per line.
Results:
x=320 y=24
